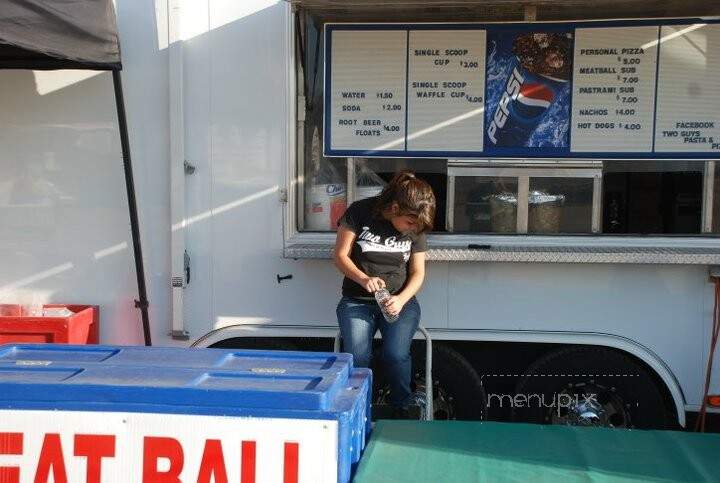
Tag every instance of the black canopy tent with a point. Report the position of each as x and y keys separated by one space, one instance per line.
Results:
x=74 y=34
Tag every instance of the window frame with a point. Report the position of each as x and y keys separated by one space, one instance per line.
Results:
x=295 y=176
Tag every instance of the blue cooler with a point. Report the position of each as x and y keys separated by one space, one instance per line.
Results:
x=138 y=414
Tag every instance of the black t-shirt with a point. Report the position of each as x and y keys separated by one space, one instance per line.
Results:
x=379 y=249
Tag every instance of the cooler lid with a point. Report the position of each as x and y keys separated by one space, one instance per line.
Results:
x=172 y=376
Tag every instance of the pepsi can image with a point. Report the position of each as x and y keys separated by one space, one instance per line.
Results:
x=541 y=70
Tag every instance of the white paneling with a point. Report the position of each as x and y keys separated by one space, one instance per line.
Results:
x=433 y=296
x=143 y=34
x=249 y=119
x=659 y=307
x=198 y=189
x=64 y=229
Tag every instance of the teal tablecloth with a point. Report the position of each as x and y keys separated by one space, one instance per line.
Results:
x=456 y=451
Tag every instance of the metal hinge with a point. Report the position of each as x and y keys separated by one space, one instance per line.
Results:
x=182 y=281
x=180 y=335
x=713 y=273
x=186 y=267
x=189 y=168
x=283 y=195
x=301 y=108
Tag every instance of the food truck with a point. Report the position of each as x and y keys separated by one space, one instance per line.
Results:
x=572 y=149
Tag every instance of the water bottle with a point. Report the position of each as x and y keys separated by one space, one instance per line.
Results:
x=381 y=296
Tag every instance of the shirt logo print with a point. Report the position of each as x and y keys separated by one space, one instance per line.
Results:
x=369 y=242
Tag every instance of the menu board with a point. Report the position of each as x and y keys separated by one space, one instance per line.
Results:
x=446 y=93
x=614 y=89
x=368 y=90
x=611 y=89
x=688 y=117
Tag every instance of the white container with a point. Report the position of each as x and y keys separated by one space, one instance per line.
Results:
x=326 y=204
x=362 y=192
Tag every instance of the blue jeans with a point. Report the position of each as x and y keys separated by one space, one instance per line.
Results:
x=358 y=323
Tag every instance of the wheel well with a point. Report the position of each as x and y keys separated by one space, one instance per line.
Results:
x=500 y=364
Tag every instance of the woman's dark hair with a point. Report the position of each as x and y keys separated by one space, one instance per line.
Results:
x=413 y=197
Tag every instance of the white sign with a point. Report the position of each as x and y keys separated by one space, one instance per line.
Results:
x=420 y=90
x=614 y=89
x=688 y=110
x=113 y=447
x=367 y=100
x=446 y=90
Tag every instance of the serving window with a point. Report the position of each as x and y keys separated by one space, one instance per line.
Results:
x=602 y=197
x=516 y=199
x=495 y=195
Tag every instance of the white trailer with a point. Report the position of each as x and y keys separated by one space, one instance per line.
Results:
x=222 y=99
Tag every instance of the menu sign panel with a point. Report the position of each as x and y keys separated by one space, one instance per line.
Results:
x=446 y=90
x=612 y=89
x=688 y=117
x=367 y=99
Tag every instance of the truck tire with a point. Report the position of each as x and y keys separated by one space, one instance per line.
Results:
x=458 y=392
x=591 y=386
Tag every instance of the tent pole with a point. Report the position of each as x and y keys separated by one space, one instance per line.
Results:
x=142 y=304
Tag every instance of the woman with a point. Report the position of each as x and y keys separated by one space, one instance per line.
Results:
x=381 y=244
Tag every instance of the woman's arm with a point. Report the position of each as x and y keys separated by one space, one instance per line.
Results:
x=416 y=276
x=343 y=247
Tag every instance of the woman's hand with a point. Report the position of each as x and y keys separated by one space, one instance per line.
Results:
x=394 y=304
x=372 y=284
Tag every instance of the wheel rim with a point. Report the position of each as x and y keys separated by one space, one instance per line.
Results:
x=590 y=404
x=443 y=402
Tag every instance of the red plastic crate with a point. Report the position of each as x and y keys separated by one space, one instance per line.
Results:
x=79 y=328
